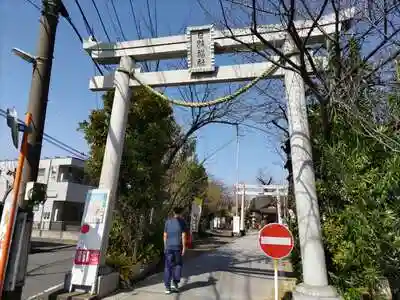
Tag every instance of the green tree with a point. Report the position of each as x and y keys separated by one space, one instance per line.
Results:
x=355 y=137
x=187 y=177
x=149 y=136
x=358 y=192
x=217 y=200
x=358 y=174
x=159 y=169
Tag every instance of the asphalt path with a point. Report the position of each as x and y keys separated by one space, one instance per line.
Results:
x=47 y=265
x=49 y=261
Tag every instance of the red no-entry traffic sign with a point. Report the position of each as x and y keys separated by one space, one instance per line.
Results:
x=276 y=240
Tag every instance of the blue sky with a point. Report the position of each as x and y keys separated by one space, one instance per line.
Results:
x=70 y=101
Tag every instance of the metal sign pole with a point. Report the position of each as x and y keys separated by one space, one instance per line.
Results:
x=278 y=206
x=276 y=286
x=47 y=188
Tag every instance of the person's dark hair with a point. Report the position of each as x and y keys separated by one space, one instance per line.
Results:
x=178 y=210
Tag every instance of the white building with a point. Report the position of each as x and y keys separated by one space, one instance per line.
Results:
x=66 y=192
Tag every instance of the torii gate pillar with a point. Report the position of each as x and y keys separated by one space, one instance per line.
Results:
x=315 y=277
x=109 y=176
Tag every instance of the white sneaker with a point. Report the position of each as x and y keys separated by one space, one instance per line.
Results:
x=175 y=287
x=167 y=291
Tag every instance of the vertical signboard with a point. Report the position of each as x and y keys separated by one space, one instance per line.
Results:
x=236 y=224
x=5 y=219
x=200 y=49
x=195 y=214
x=88 y=249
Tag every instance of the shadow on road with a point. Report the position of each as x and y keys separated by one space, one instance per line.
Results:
x=211 y=240
x=200 y=284
x=47 y=246
x=222 y=260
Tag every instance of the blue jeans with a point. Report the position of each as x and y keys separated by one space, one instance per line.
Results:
x=173 y=267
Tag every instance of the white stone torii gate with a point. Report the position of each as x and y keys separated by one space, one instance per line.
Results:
x=276 y=190
x=203 y=70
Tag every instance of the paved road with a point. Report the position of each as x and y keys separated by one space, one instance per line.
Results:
x=47 y=265
x=234 y=271
x=48 y=262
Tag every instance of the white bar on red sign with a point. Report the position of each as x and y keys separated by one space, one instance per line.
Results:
x=272 y=240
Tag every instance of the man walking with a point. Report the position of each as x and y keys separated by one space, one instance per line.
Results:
x=174 y=247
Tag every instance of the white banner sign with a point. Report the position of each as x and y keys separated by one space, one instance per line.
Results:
x=88 y=249
x=195 y=215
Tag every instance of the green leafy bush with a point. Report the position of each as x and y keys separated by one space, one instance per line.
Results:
x=125 y=265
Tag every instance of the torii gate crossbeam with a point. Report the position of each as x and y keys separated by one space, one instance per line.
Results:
x=177 y=46
x=315 y=280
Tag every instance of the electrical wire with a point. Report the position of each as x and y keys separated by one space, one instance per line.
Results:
x=89 y=29
x=218 y=150
x=71 y=23
x=33 y=4
x=101 y=21
x=54 y=141
x=81 y=40
x=118 y=21
x=114 y=26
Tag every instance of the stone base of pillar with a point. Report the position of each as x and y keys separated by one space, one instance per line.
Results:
x=308 y=292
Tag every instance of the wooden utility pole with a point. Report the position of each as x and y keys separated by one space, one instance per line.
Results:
x=37 y=106
x=38 y=96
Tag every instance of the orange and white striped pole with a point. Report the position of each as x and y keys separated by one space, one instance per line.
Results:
x=10 y=212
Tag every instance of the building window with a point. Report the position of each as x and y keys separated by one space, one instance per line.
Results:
x=41 y=173
x=70 y=174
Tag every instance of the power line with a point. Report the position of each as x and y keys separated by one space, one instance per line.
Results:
x=90 y=32
x=74 y=28
x=82 y=156
x=71 y=23
x=81 y=40
x=114 y=27
x=101 y=20
x=53 y=140
x=85 y=20
x=218 y=149
x=118 y=21
x=33 y=4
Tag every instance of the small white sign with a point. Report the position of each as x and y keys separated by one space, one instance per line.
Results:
x=88 y=249
x=236 y=224
x=195 y=215
x=200 y=49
